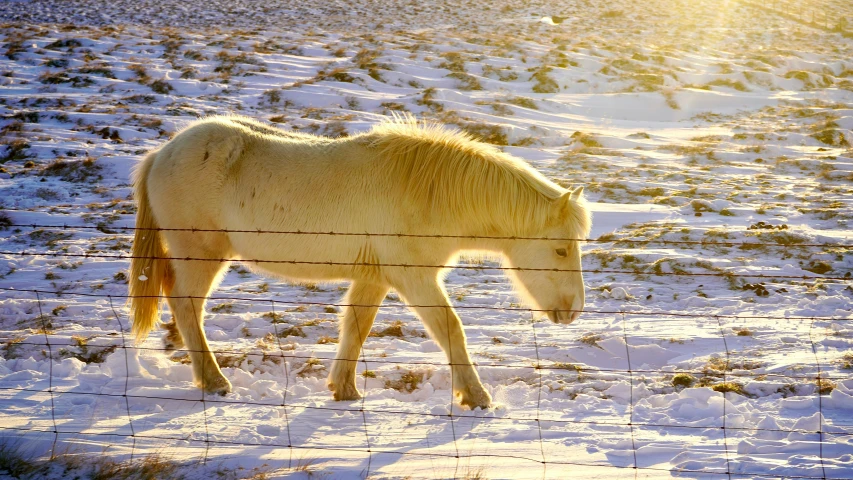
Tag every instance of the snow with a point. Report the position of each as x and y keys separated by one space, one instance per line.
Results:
x=713 y=142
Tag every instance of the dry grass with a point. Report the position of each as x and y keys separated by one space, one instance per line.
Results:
x=591 y=339
x=149 y=468
x=15 y=150
x=586 y=139
x=11 y=346
x=393 y=330
x=408 y=382
x=77 y=171
x=223 y=308
x=274 y=317
x=566 y=366
x=226 y=360
x=486 y=132
x=90 y=466
x=722 y=364
x=544 y=83
x=466 y=81
x=292 y=332
x=86 y=353
x=5 y=220
x=305 y=465
x=824 y=386
x=724 y=82
x=478 y=473
x=846 y=361
x=523 y=102
x=725 y=387
x=311 y=367
x=684 y=380
x=427 y=100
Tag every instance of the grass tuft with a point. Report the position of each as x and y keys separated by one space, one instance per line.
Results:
x=393 y=330
x=684 y=380
x=408 y=382
x=726 y=387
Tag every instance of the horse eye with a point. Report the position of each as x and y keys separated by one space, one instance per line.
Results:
x=561 y=252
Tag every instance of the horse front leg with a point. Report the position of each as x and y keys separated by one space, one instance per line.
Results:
x=362 y=302
x=429 y=300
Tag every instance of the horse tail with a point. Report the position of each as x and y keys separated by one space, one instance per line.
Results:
x=149 y=268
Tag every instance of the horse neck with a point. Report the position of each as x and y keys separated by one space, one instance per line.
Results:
x=493 y=231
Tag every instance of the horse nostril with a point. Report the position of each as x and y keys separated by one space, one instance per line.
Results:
x=576 y=307
x=553 y=315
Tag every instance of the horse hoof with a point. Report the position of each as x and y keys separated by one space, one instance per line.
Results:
x=220 y=386
x=346 y=393
x=170 y=347
x=480 y=398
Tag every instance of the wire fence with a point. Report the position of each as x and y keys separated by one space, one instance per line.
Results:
x=539 y=367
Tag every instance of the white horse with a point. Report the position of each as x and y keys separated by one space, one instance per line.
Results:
x=232 y=173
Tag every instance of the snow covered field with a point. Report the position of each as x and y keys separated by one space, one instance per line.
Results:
x=713 y=138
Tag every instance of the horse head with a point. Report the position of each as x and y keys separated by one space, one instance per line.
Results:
x=547 y=268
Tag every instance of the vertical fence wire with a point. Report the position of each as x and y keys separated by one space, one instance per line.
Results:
x=725 y=381
x=630 y=392
x=286 y=385
x=126 y=377
x=364 y=394
x=450 y=363
x=203 y=392
x=818 y=387
x=539 y=396
x=44 y=327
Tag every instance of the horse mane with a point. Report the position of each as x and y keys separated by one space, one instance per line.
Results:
x=467 y=180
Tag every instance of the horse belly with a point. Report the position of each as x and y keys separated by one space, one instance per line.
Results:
x=295 y=256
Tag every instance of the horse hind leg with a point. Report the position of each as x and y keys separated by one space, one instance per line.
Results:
x=193 y=280
x=172 y=340
x=362 y=302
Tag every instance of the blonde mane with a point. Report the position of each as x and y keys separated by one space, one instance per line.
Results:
x=461 y=178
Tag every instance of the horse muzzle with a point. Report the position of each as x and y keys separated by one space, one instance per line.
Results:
x=564 y=317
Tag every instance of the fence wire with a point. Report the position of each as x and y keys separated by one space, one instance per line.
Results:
x=657 y=241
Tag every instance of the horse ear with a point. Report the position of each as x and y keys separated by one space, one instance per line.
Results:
x=563 y=203
x=576 y=194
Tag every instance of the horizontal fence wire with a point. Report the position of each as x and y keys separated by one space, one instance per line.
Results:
x=660 y=241
x=384 y=361
x=263 y=300
x=25 y=253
